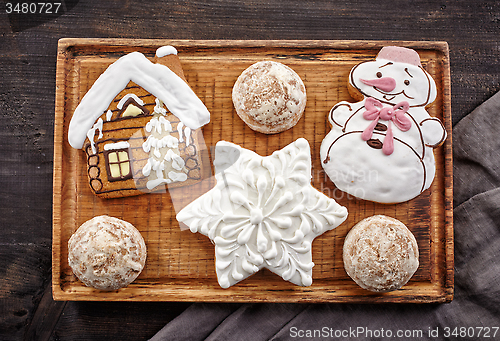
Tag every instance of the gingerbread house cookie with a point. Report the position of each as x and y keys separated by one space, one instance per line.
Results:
x=139 y=125
x=381 y=148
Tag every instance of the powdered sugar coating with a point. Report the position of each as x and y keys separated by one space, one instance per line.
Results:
x=106 y=253
x=269 y=97
x=380 y=254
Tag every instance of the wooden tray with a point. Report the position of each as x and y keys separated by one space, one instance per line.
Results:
x=180 y=264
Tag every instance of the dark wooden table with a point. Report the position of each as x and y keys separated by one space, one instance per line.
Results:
x=28 y=45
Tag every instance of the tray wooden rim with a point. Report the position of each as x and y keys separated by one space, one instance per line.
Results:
x=184 y=290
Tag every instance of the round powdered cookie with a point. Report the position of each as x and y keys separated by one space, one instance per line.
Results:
x=106 y=253
x=269 y=97
x=380 y=254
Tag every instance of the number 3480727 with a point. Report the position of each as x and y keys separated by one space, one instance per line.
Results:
x=32 y=7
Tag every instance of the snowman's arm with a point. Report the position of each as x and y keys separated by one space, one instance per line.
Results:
x=340 y=113
x=433 y=132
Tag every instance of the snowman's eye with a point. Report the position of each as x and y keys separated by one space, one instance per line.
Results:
x=407 y=82
x=379 y=74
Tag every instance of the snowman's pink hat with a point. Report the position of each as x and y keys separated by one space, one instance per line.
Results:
x=400 y=55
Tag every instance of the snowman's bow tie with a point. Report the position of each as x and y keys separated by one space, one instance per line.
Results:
x=375 y=111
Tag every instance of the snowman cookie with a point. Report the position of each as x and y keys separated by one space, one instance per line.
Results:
x=381 y=148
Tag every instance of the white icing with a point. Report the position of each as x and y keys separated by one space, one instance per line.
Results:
x=166 y=124
x=126 y=97
x=157 y=79
x=155 y=143
x=366 y=172
x=157 y=182
x=176 y=176
x=152 y=123
x=263 y=213
x=109 y=115
x=163 y=152
x=165 y=51
x=187 y=132
x=146 y=170
x=159 y=109
x=159 y=167
x=91 y=133
x=117 y=145
x=177 y=161
x=159 y=124
x=179 y=129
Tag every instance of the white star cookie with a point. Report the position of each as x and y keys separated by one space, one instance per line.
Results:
x=263 y=213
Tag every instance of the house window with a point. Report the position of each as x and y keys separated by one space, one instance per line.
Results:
x=118 y=165
x=132 y=111
x=131 y=106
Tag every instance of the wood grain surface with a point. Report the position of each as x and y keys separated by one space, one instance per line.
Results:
x=180 y=265
x=28 y=53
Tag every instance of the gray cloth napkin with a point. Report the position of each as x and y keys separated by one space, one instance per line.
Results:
x=475 y=310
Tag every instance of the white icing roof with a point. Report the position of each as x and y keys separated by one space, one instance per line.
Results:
x=157 y=79
x=165 y=51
